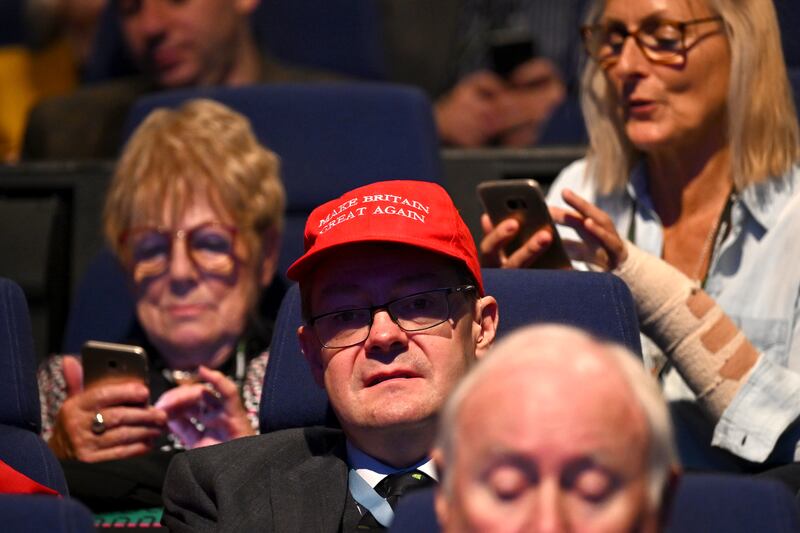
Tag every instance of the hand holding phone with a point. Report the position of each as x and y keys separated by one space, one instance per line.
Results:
x=523 y=201
x=109 y=417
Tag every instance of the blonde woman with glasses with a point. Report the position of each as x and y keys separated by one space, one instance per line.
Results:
x=689 y=192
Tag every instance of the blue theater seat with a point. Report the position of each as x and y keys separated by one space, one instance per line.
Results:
x=788 y=12
x=25 y=512
x=343 y=36
x=21 y=447
x=103 y=308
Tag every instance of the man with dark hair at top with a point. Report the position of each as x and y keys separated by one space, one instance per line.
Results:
x=176 y=44
x=395 y=314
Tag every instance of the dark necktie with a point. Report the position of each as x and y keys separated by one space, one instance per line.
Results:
x=393 y=487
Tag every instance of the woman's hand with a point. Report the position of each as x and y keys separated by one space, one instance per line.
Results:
x=496 y=237
x=468 y=115
x=127 y=429
x=601 y=245
x=206 y=413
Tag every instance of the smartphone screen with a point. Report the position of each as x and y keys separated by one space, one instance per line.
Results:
x=523 y=200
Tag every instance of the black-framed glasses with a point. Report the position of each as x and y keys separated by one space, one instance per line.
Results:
x=662 y=41
x=415 y=312
x=210 y=247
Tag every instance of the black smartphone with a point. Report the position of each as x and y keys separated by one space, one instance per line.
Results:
x=523 y=200
x=509 y=49
x=112 y=362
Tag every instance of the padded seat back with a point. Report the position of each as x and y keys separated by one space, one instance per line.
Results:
x=343 y=36
x=19 y=395
x=21 y=447
x=26 y=512
x=103 y=308
x=734 y=504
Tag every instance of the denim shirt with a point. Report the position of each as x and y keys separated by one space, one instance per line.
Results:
x=754 y=276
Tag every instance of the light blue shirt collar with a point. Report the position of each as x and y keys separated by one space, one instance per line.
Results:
x=765 y=201
x=373 y=471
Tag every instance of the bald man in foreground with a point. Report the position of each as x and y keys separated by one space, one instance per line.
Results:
x=555 y=431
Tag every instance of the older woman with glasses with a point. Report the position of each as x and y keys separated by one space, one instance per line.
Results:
x=194 y=213
x=689 y=192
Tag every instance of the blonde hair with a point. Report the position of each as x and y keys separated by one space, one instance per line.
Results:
x=762 y=124
x=531 y=342
x=201 y=149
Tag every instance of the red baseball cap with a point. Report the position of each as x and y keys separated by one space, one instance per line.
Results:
x=414 y=213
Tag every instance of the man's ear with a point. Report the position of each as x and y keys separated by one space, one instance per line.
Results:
x=440 y=502
x=270 y=248
x=485 y=325
x=312 y=352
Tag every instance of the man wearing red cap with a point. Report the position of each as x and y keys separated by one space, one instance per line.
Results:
x=395 y=314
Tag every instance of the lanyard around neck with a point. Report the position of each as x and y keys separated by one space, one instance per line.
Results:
x=369 y=499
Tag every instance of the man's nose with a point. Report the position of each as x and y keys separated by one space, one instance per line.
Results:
x=548 y=513
x=385 y=335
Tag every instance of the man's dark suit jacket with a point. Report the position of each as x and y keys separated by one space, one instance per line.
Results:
x=291 y=480
x=88 y=123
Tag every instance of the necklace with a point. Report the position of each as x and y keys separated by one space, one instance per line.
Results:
x=188 y=377
x=705 y=252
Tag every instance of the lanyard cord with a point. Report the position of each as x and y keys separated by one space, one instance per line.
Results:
x=368 y=498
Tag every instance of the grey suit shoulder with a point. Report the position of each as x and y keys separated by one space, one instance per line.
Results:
x=292 y=480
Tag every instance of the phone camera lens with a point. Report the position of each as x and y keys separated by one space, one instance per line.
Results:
x=516 y=204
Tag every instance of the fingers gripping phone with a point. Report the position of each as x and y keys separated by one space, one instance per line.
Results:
x=522 y=200
x=111 y=362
